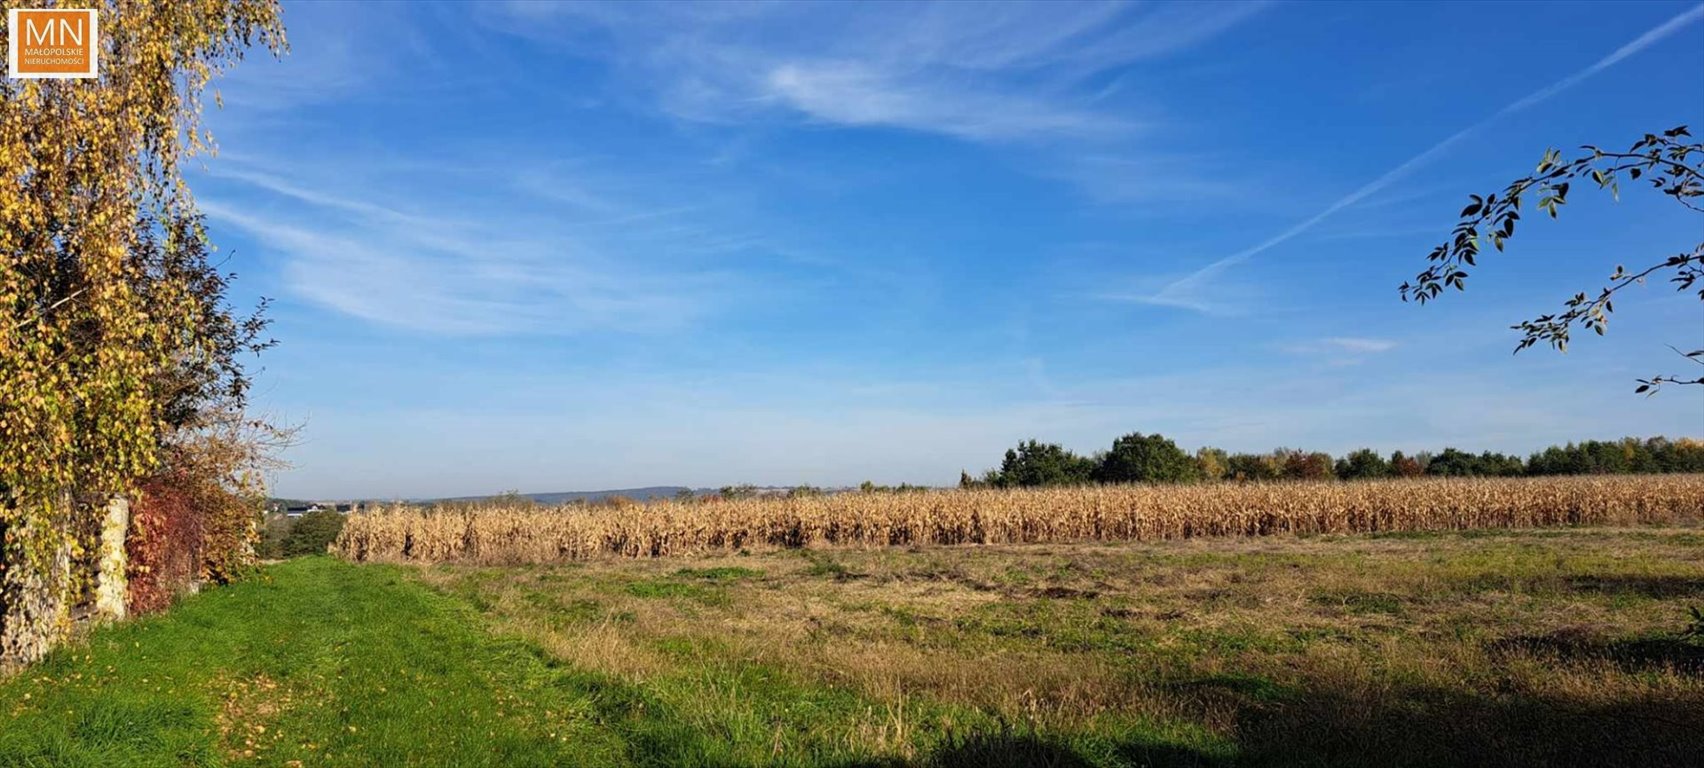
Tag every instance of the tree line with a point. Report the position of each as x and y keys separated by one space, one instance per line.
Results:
x=1139 y=458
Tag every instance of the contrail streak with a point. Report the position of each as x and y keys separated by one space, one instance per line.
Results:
x=1180 y=293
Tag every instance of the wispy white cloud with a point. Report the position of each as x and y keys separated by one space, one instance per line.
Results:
x=1191 y=291
x=336 y=51
x=1145 y=177
x=976 y=71
x=1339 y=350
x=282 y=186
x=1358 y=344
x=848 y=93
x=433 y=266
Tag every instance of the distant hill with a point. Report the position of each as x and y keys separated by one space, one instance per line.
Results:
x=561 y=497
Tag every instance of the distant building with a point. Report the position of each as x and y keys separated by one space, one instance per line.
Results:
x=299 y=510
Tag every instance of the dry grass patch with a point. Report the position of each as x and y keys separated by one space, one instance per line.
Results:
x=1512 y=641
x=248 y=714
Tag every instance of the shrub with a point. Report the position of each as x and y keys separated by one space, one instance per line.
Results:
x=186 y=527
x=272 y=535
x=312 y=533
x=228 y=532
x=163 y=550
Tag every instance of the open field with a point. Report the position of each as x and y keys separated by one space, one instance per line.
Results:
x=1525 y=647
x=508 y=535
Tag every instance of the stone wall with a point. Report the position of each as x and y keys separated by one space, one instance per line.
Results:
x=111 y=587
x=42 y=601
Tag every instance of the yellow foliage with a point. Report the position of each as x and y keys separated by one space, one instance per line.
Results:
x=87 y=164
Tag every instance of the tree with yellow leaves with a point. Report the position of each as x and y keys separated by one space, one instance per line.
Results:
x=86 y=329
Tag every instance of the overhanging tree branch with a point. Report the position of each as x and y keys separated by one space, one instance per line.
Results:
x=1664 y=161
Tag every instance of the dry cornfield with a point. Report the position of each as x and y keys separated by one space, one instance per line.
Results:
x=498 y=535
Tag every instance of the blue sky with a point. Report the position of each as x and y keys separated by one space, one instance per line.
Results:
x=548 y=247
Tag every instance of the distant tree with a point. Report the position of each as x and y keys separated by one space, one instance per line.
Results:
x=1250 y=467
x=741 y=491
x=1302 y=465
x=1683 y=455
x=512 y=498
x=1629 y=454
x=1667 y=163
x=1035 y=464
x=1494 y=464
x=1454 y=463
x=803 y=491
x=686 y=496
x=1363 y=464
x=1212 y=463
x=1138 y=458
x=1403 y=465
x=869 y=487
x=312 y=533
x=1640 y=458
x=1557 y=460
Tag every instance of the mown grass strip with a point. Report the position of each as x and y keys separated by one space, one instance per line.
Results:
x=316 y=662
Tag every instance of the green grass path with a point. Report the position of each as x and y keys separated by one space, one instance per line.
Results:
x=340 y=665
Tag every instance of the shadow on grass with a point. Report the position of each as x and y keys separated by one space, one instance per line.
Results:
x=1642 y=655
x=1435 y=727
x=1654 y=587
x=1356 y=725
x=1000 y=751
x=1319 y=725
x=1023 y=751
x=655 y=734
